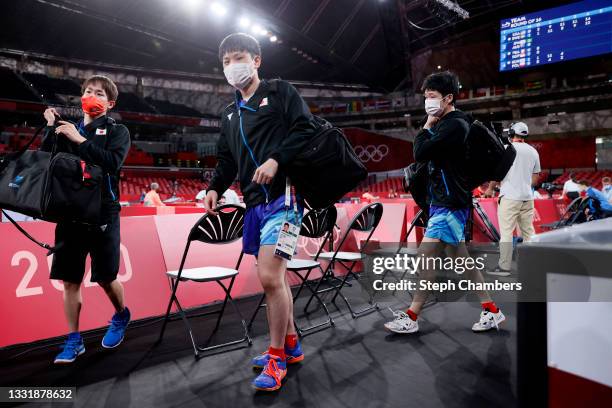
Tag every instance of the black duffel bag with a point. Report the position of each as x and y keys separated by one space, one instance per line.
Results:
x=327 y=168
x=55 y=187
x=415 y=182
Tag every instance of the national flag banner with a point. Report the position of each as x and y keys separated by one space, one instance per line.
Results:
x=383 y=104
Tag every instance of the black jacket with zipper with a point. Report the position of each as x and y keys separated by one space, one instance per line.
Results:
x=276 y=124
x=443 y=148
x=107 y=146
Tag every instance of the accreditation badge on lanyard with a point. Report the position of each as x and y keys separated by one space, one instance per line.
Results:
x=289 y=232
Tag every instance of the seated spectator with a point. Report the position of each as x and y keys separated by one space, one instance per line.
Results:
x=393 y=193
x=201 y=196
x=606 y=189
x=571 y=189
x=596 y=195
x=230 y=197
x=152 y=198
x=367 y=195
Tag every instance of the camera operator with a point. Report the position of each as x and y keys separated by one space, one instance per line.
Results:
x=98 y=140
x=516 y=196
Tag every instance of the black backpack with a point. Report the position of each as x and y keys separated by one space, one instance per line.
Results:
x=55 y=187
x=488 y=157
x=327 y=168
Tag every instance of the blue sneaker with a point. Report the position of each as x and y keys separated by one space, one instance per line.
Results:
x=271 y=378
x=73 y=347
x=294 y=355
x=116 y=331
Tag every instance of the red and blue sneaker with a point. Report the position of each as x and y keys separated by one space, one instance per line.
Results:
x=271 y=378
x=294 y=355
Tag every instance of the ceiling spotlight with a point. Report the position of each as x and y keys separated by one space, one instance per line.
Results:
x=244 y=22
x=273 y=38
x=263 y=31
x=439 y=67
x=455 y=7
x=218 y=8
x=256 y=28
x=300 y=52
x=293 y=49
x=192 y=4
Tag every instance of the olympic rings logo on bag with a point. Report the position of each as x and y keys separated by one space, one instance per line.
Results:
x=371 y=152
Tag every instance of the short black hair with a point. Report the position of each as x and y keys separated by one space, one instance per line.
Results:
x=112 y=93
x=444 y=82
x=239 y=42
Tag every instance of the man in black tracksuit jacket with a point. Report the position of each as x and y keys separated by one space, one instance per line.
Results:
x=441 y=144
x=98 y=140
x=261 y=132
x=443 y=148
x=276 y=124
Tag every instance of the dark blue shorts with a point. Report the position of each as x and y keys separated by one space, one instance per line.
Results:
x=263 y=223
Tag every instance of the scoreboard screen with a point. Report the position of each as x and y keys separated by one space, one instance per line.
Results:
x=564 y=33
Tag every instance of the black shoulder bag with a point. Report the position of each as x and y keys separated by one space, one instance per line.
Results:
x=54 y=187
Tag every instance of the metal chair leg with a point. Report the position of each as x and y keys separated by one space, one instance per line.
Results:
x=197 y=349
x=327 y=273
x=329 y=322
x=188 y=327
x=373 y=306
x=175 y=283
x=256 y=311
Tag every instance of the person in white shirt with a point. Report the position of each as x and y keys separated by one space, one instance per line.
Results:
x=231 y=197
x=201 y=195
x=516 y=195
x=537 y=195
x=571 y=189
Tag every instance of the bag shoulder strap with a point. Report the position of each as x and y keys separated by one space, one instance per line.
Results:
x=48 y=247
x=15 y=155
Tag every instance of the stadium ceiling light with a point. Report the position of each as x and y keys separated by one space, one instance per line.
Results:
x=192 y=4
x=273 y=38
x=218 y=8
x=256 y=29
x=439 y=67
x=244 y=22
x=454 y=6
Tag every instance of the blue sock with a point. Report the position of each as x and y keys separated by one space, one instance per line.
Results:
x=74 y=335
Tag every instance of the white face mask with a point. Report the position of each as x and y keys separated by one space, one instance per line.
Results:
x=433 y=106
x=239 y=74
